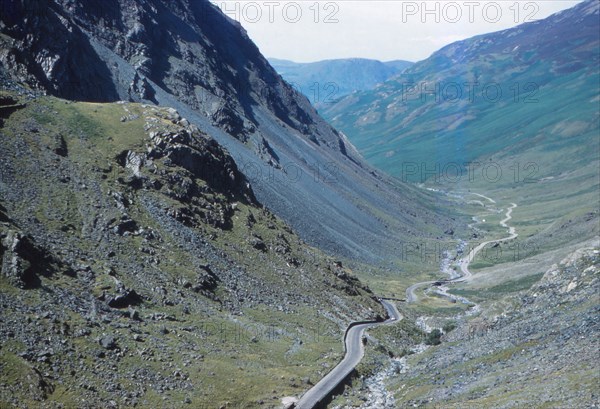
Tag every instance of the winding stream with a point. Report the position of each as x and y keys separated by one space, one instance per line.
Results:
x=379 y=397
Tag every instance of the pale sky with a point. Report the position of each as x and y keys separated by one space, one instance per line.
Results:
x=310 y=30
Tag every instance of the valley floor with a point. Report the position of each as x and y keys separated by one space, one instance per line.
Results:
x=524 y=339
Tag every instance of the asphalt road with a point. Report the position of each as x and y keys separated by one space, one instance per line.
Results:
x=354 y=353
x=410 y=291
x=465 y=261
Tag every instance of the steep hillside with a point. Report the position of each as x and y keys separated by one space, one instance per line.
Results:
x=325 y=81
x=538 y=347
x=188 y=55
x=138 y=268
x=527 y=94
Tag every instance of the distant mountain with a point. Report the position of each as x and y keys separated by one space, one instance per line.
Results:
x=525 y=95
x=325 y=81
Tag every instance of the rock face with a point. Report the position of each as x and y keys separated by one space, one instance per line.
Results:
x=202 y=157
x=188 y=48
x=15 y=263
x=186 y=54
x=52 y=53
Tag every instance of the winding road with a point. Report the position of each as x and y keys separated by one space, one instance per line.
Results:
x=354 y=334
x=465 y=261
x=355 y=351
x=484 y=196
x=410 y=291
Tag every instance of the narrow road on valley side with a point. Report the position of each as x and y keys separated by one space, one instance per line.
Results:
x=355 y=351
x=465 y=261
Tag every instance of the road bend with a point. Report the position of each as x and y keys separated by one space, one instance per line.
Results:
x=355 y=351
x=465 y=261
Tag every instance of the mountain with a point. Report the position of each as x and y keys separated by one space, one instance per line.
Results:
x=159 y=184
x=528 y=133
x=526 y=94
x=326 y=81
x=187 y=55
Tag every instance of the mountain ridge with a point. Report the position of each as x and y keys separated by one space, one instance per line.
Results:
x=468 y=82
x=325 y=81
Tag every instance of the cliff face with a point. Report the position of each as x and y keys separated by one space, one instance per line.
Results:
x=187 y=48
x=186 y=54
x=46 y=51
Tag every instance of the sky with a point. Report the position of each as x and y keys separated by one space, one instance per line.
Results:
x=311 y=30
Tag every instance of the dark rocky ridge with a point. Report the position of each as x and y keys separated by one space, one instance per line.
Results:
x=188 y=55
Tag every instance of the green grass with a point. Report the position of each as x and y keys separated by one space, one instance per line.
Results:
x=512 y=286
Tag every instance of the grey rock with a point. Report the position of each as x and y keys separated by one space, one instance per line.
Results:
x=108 y=342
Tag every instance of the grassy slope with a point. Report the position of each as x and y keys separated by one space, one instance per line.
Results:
x=265 y=348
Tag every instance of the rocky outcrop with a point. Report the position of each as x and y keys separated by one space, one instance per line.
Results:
x=22 y=261
x=202 y=157
x=196 y=168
